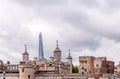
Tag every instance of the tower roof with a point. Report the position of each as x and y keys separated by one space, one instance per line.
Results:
x=69 y=56
x=25 y=53
x=57 y=48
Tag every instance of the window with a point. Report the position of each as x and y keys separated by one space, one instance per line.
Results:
x=96 y=78
x=90 y=72
x=97 y=71
x=97 y=65
x=108 y=71
x=82 y=68
x=107 y=66
x=23 y=70
x=28 y=76
x=50 y=64
x=85 y=70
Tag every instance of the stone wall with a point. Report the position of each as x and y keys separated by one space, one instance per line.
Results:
x=56 y=76
x=10 y=76
x=53 y=76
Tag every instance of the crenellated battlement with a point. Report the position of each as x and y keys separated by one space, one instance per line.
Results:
x=101 y=59
x=86 y=58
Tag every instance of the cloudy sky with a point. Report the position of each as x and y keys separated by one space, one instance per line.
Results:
x=86 y=27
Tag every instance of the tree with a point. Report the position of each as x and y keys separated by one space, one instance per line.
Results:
x=75 y=69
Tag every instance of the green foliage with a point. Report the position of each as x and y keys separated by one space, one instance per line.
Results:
x=75 y=69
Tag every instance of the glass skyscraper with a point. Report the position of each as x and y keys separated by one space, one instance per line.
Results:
x=40 y=52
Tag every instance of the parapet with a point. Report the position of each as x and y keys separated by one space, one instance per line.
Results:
x=86 y=58
x=101 y=58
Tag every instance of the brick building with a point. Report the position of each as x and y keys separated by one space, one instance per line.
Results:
x=95 y=67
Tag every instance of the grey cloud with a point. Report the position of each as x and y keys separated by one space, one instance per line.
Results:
x=44 y=3
x=89 y=3
x=73 y=23
x=76 y=18
x=81 y=20
x=13 y=40
x=113 y=3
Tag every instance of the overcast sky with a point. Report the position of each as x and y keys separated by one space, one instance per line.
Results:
x=86 y=27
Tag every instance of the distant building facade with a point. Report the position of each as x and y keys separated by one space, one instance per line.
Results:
x=95 y=67
x=117 y=70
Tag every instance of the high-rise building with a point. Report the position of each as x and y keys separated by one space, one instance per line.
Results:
x=40 y=52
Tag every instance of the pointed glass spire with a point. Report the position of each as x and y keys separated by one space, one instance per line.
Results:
x=40 y=53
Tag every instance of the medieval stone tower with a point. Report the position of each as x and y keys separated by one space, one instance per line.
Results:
x=26 y=69
x=57 y=54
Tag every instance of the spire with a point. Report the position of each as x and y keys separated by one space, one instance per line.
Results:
x=57 y=48
x=25 y=50
x=57 y=43
x=69 y=56
x=40 y=53
x=69 y=52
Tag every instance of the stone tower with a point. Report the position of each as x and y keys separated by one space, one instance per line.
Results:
x=69 y=61
x=40 y=52
x=25 y=55
x=86 y=62
x=26 y=69
x=57 y=54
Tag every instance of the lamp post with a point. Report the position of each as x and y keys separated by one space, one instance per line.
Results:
x=82 y=72
x=4 y=73
x=114 y=75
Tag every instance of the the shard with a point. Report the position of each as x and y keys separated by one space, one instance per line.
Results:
x=40 y=52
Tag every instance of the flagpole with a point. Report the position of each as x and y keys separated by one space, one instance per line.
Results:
x=4 y=73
